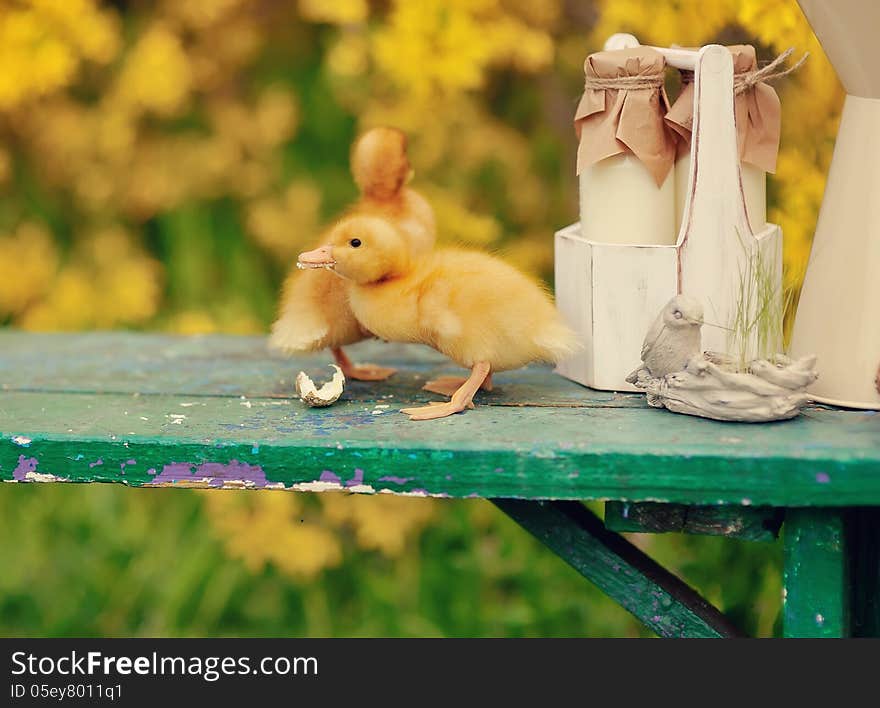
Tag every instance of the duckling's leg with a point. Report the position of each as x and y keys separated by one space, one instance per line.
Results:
x=461 y=399
x=448 y=385
x=360 y=372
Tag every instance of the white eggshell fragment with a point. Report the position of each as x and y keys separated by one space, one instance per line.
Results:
x=327 y=395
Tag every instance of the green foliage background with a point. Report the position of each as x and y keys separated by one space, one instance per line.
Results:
x=105 y=561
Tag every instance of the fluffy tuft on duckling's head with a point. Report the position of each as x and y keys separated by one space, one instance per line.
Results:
x=379 y=163
x=363 y=249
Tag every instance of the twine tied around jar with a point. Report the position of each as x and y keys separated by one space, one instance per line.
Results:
x=622 y=109
x=756 y=107
x=623 y=83
x=746 y=80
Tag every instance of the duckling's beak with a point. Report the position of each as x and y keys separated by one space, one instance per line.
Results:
x=319 y=258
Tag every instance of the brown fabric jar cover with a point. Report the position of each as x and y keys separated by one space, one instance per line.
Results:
x=622 y=110
x=757 y=112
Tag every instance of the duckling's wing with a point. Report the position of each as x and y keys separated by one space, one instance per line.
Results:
x=298 y=330
x=303 y=324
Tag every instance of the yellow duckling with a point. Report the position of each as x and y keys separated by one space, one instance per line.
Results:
x=314 y=310
x=477 y=310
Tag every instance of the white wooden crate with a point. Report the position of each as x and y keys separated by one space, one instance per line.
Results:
x=611 y=293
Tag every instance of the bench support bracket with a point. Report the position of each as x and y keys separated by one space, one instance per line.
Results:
x=651 y=593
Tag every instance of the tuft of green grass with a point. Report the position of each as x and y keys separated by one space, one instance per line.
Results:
x=755 y=329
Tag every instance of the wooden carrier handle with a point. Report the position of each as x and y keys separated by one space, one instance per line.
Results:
x=715 y=198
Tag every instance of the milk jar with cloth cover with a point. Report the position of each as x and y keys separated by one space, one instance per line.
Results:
x=626 y=150
x=757 y=115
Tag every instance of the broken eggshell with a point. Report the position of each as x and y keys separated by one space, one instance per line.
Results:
x=327 y=395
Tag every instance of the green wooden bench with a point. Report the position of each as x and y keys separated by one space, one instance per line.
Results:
x=147 y=410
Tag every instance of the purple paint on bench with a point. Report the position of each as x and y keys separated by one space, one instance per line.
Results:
x=215 y=472
x=25 y=465
x=396 y=480
x=357 y=479
x=328 y=476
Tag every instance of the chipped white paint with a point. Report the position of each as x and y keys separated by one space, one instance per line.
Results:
x=21 y=440
x=246 y=404
x=237 y=483
x=543 y=454
x=421 y=493
x=194 y=483
x=40 y=477
x=820 y=620
x=361 y=489
x=316 y=486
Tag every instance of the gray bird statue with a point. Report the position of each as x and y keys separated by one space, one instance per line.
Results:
x=673 y=340
x=677 y=375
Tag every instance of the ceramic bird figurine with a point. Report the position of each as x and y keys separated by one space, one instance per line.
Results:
x=673 y=340
x=314 y=311
x=474 y=308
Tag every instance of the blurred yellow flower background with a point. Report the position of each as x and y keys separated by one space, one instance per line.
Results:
x=162 y=162
x=120 y=129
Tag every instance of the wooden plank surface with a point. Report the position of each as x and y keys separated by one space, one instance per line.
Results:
x=219 y=411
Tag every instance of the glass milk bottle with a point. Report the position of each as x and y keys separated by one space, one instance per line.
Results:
x=757 y=112
x=626 y=151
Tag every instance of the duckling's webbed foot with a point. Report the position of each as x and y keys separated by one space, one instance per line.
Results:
x=448 y=385
x=361 y=372
x=369 y=372
x=462 y=398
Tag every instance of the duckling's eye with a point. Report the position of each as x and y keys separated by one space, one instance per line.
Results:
x=355 y=243
x=677 y=314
